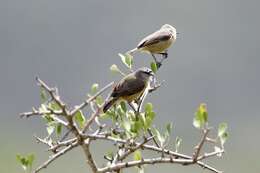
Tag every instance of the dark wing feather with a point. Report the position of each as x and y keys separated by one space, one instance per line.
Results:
x=132 y=86
x=154 y=38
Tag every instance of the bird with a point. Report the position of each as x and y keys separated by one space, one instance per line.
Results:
x=157 y=42
x=130 y=88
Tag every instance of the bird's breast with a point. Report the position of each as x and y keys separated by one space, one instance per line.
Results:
x=159 y=47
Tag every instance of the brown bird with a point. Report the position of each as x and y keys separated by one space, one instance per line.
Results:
x=130 y=88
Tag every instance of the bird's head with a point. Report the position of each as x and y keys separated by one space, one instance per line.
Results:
x=144 y=72
x=171 y=29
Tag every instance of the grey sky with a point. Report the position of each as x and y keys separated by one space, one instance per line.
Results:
x=71 y=44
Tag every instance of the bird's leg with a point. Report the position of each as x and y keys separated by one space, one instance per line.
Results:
x=164 y=54
x=141 y=100
x=158 y=64
x=154 y=57
x=132 y=106
x=135 y=110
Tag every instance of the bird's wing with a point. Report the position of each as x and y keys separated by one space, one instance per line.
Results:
x=127 y=87
x=154 y=38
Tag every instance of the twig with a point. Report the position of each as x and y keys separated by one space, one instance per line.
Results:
x=214 y=141
x=52 y=93
x=131 y=150
x=62 y=144
x=65 y=135
x=35 y=112
x=86 y=102
x=119 y=166
x=154 y=140
x=91 y=119
x=44 y=141
x=207 y=155
x=55 y=156
x=95 y=114
x=200 y=144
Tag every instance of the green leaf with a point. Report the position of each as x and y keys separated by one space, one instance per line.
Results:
x=223 y=138
x=222 y=133
x=43 y=95
x=127 y=60
x=80 y=118
x=222 y=128
x=123 y=106
x=159 y=137
x=22 y=160
x=149 y=119
x=99 y=100
x=169 y=129
x=127 y=125
x=48 y=119
x=201 y=116
x=94 y=88
x=114 y=68
x=110 y=155
x=58 y=129
x=154 y=67
x=25 y=161
x=149 y=115
x=178 y=142
x=30 y=159
x=43 y=108
x=50 y=128
x=136 y=126
x=54 y=106
x=148 y=107
x=137 y=155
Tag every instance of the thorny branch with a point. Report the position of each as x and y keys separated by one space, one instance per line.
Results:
x=84 y=139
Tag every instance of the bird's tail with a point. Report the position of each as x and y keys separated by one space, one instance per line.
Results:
x=131 y=52
x=109 y=104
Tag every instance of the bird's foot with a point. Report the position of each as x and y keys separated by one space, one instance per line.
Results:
x=158 y=64
x=164 y=55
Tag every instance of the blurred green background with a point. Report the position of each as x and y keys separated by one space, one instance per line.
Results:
x=71 y=44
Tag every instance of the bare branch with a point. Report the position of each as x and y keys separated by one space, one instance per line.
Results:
x=89 y=157
x=35 y=112
x=199 y=146
x=55 y=156
x=207 y=155
x=81 y=138
x=119 y=166
x=62 y=144
x=131 y=150
x=154 y=148
x=86 y=102
x=95 y=114
x=43 y=141
x=154 y=140
x=52 y=93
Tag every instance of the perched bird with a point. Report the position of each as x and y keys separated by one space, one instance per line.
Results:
x=130 y=88
x=157 y=42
